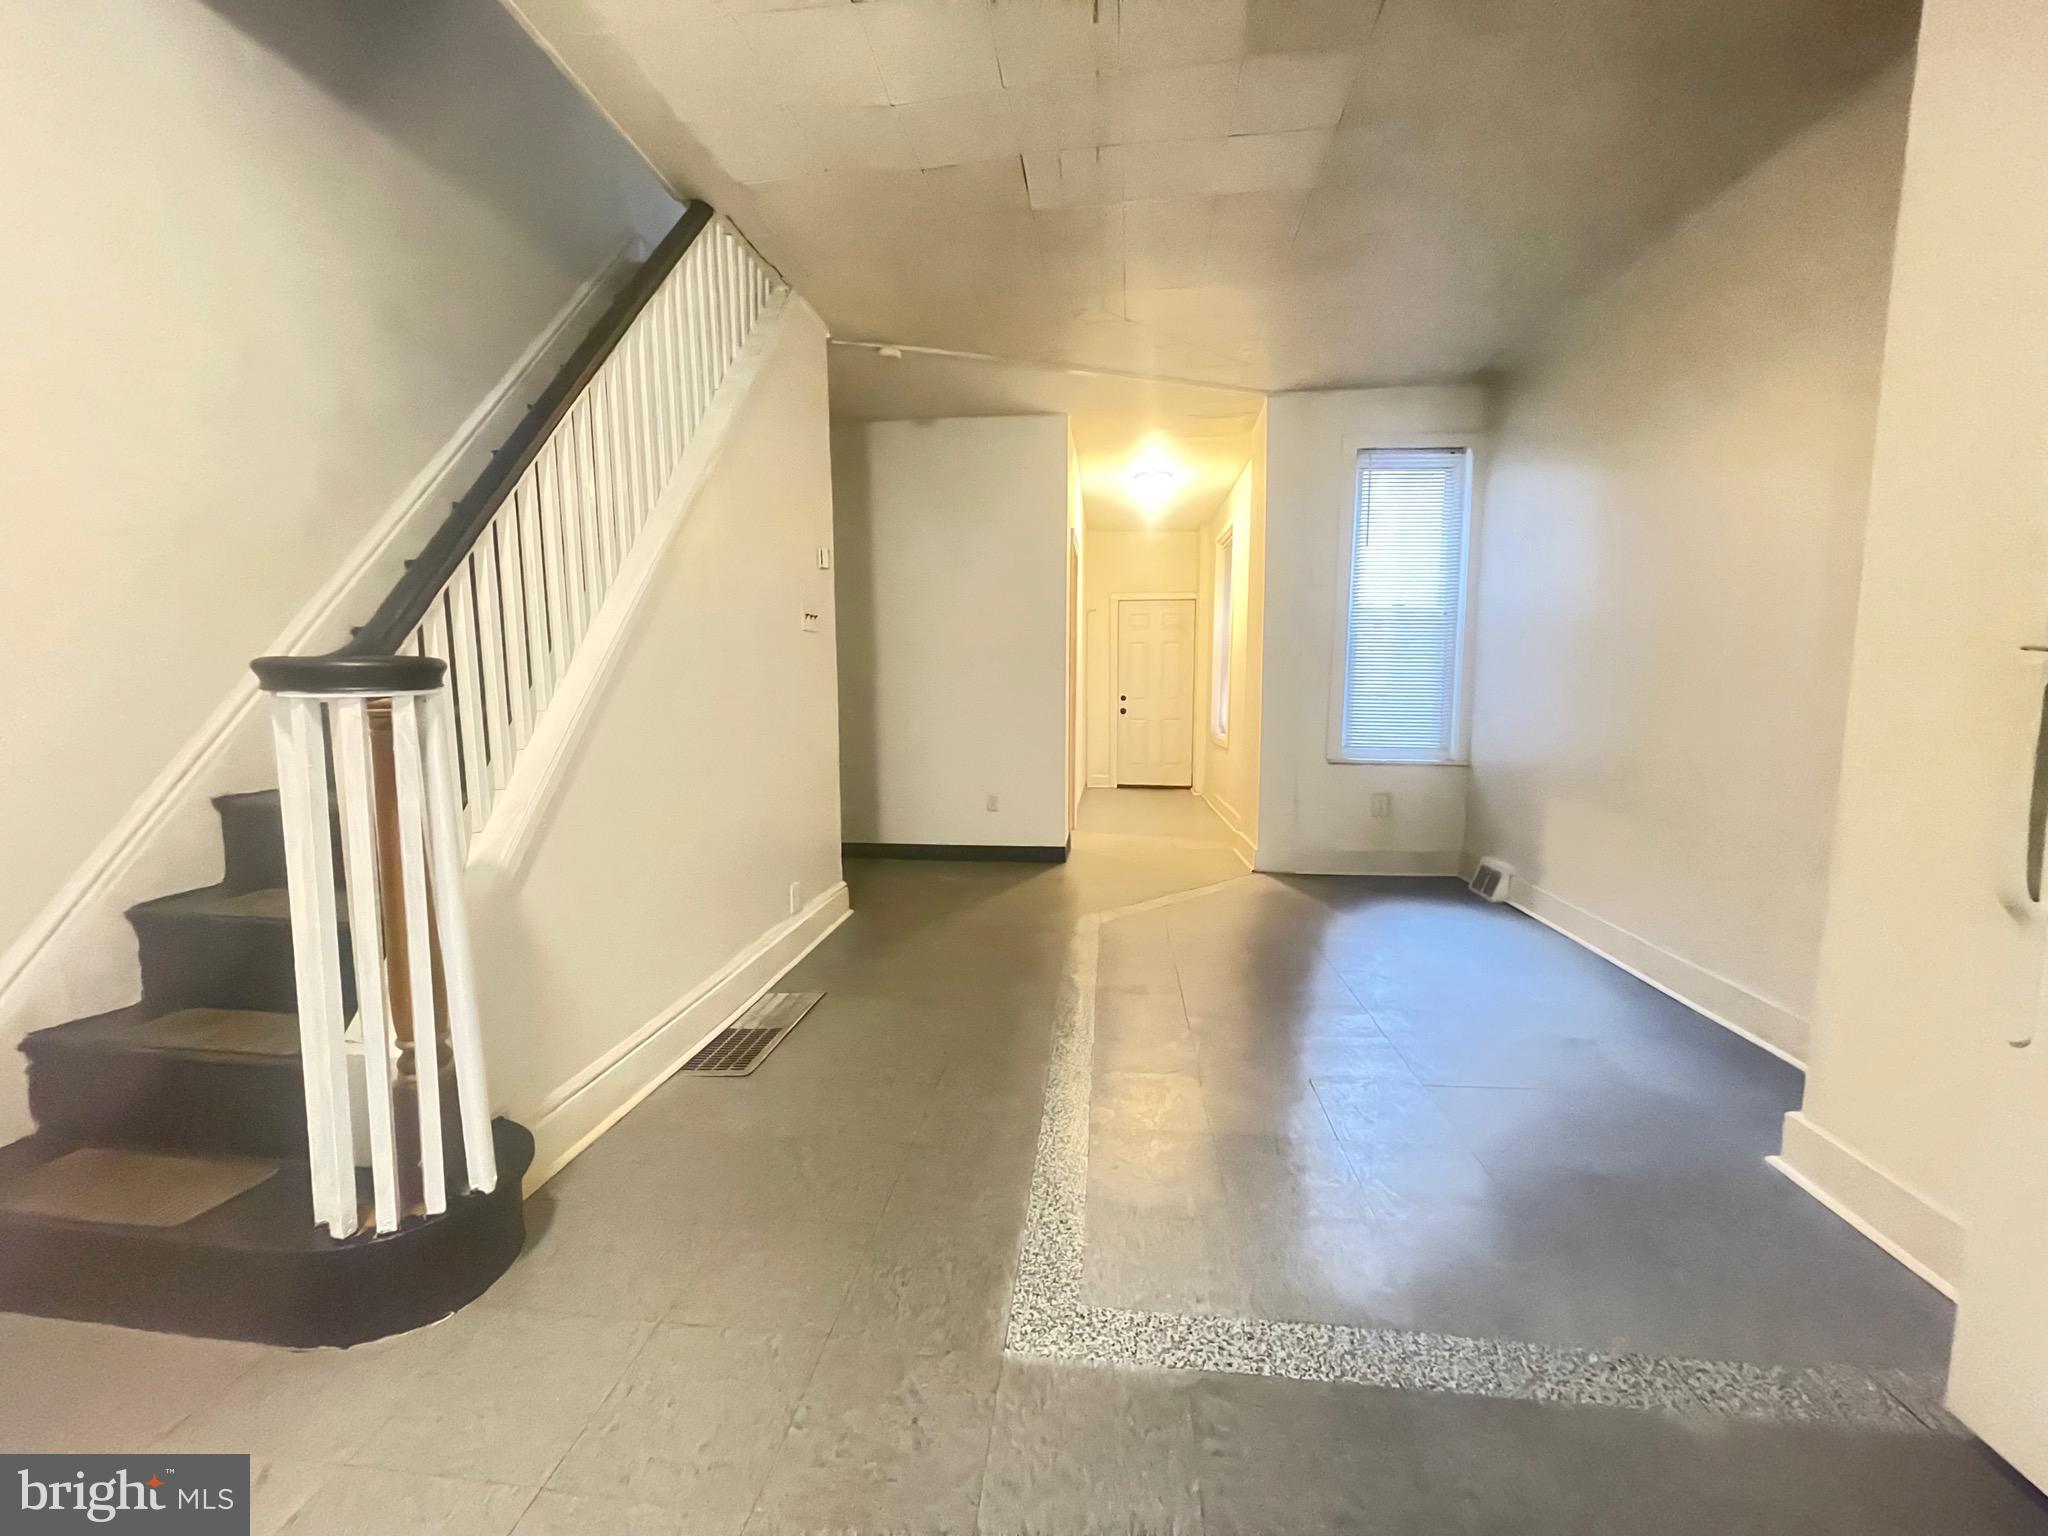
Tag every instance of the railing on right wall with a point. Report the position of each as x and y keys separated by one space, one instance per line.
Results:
x=394 y=748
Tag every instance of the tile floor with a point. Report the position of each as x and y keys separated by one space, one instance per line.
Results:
x=781 y=1303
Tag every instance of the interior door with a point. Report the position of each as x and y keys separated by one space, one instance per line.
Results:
x=1155 y=685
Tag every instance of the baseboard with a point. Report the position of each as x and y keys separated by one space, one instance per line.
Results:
x=1906 y=1224
x=589 y=1104
x=78 y=956
x=1246 y=850
x=1353 y=861
x=1001 y=853
x=1728 y=1003
x=1101 y=781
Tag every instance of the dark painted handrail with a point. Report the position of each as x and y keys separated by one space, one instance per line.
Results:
x=371 y=661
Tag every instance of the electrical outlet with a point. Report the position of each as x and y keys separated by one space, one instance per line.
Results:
x=994 y=804
x=824 y=557
x=1382 y=805
x=796 y=897
x=810 y=620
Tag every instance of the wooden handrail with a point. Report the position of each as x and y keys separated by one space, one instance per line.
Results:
x=372 y=662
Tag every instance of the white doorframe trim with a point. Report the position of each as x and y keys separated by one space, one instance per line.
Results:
x=1116 y=664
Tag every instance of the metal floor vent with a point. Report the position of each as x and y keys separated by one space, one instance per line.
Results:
x=745 y=1043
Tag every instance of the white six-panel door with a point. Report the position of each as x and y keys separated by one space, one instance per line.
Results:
x=1155 y=685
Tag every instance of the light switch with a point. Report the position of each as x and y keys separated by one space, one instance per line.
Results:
x=810 y=620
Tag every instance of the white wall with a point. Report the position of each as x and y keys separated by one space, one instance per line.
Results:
x=262 y=260
x=656 y=895
x=1130 y=562
x=1921 y=966
x=952 y=569
x=1227 y=770
x=1667 y=580
x=1315 y=815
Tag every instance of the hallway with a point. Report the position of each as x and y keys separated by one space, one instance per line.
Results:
x=1136 y=1194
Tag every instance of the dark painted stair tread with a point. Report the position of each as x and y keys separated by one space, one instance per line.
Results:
x=231 y=1034
x=131 y=1186
x=254 y=1265
x=269 y=904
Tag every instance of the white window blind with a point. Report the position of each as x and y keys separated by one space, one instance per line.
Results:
x=1406 y=617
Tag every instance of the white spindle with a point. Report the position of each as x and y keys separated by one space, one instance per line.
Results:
x=410 y=788
x=354 y=786
x=533 y=583
x=693 y=332
x=462 y=655
x=295 y=726
x=465 y=1037
x=491 y=648
x=518 y=663
x=569 y=529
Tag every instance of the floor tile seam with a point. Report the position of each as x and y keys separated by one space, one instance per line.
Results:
x=257 y=1357
x=355 y=1458
x=1047 y=1288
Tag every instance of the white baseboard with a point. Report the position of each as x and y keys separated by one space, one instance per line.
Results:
x=78 y=956
x=1906 y=1224
x=1101 y=781
x=1728 y=1003
x=1246 y=850
x=1287 y=860
x=589 y=1104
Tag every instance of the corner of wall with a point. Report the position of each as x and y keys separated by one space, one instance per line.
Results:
x=1910 y=1226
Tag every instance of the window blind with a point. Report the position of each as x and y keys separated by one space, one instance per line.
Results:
x=1406 y=613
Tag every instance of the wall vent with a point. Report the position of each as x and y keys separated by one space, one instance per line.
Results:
x=1490 y=881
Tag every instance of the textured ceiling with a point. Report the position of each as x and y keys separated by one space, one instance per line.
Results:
x=1265 y=193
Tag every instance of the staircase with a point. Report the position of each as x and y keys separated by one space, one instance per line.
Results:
x=289 y=1138
x=193 y=1098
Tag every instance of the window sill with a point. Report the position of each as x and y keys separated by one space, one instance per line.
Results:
x=1397 y=762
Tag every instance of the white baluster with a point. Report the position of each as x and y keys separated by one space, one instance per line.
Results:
x=693 y=332
x=462 y=656
x=569 y=528
x=534 y=578
x=295 y=725
x=671 y=379
x=650 y=418
x=506 y=528
x=419 y=980
x=354 y=786
x=491 y=648
x=458 y=970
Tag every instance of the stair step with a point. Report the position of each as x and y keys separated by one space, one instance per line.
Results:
x=213 y=1079
x=217 y=947
x=252 y=838
x=248 y=1262
x=127 y=1186
x=231 y=1033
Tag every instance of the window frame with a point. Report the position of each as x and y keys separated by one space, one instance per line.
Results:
x=1222 y=631
x=1459 y=753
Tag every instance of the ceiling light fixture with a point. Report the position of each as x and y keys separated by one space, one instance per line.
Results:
x=1153 y=480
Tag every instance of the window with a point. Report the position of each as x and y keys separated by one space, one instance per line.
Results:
x=1219 y=638
x=1404 y=623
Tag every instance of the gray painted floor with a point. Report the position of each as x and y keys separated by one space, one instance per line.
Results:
x=780 y=1303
